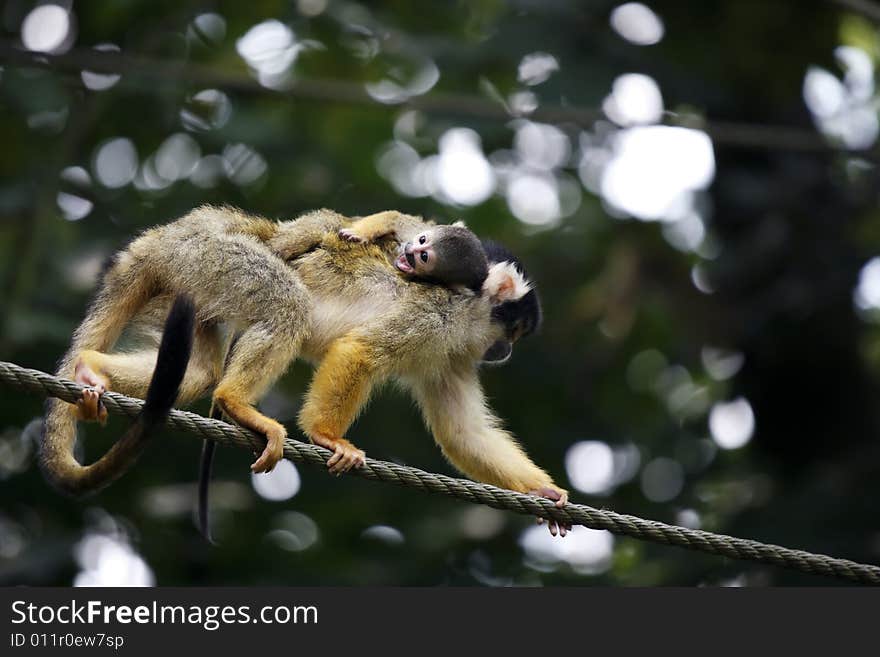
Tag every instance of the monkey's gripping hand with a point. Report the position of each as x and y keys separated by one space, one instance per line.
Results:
x=345 y=455
x=560 y=496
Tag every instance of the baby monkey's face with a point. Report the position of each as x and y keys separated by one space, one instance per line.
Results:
x=419 y=256
x=450 y=255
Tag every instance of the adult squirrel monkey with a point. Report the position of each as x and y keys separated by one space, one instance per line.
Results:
x=298 y=288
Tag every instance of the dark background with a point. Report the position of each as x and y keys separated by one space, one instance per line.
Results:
x=776 y=223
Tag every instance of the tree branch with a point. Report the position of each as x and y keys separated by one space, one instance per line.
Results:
x=137 y=68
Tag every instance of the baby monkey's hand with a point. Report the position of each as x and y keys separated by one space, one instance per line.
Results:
x=351 y=235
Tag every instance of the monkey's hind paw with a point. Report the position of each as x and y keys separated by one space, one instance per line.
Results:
x=90 y=408
x=273 y=453
x=345 y=457
x=350 y=236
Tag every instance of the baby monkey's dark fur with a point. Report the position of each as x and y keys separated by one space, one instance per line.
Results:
x=464 y=261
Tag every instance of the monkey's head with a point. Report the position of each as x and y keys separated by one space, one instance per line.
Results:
x=515 y=302
x=451 y=255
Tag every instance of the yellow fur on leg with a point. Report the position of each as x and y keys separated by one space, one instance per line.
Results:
x=130 y=373
x=232 y=402
x=339 y=390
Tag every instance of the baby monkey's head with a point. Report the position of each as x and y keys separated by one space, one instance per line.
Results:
x=452 y=255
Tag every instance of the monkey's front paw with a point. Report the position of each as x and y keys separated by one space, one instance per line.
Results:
x=345 y=457
x=273 y=452
x=560 y=496
x=350 y=235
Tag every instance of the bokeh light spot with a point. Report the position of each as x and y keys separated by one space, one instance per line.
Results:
x=280 y=484
x=384 y=534
x=867 y=292
x=101 y=81
x=46 y=28
x=463 y=172
x=634 y=99
x=844 y=109
x=534 y=199
x=209 y=109
x=270 y=49
x=243 y=165
x=404 y=81
x=590 y=466
x=177 y=157
x=295 y=532
x=637 y=23
x=115 y=162
x=108 y=560
x=720 y=364
x=655 y=170
x=586 y=551
x=210 y=27
x=732 y=423
x=541 y=146
x=536 y=67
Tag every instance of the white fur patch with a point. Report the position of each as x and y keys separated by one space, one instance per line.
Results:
x=505 y=283
x=460 y=224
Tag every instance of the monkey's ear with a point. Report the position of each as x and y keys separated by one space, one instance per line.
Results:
x=505 y=283
x=498 y=353
x=459 y=223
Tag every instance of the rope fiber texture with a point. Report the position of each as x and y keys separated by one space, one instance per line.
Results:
x=625 y=525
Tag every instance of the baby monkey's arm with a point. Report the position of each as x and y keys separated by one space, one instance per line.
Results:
x=294 y=238
x=383 y=224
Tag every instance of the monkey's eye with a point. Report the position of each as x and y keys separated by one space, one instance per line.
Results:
x=424 y=256
x=422 y=239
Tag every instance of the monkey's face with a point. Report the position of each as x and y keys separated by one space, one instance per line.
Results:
x=419 y=256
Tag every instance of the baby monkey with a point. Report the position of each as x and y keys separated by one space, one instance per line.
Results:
x=451 y=255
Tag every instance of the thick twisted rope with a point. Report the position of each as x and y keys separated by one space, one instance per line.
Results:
x=499 y=498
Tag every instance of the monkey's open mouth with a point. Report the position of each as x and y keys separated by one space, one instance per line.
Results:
x=403 y=263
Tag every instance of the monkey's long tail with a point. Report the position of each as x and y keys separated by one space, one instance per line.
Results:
x=59 y=465
x=206 y=464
